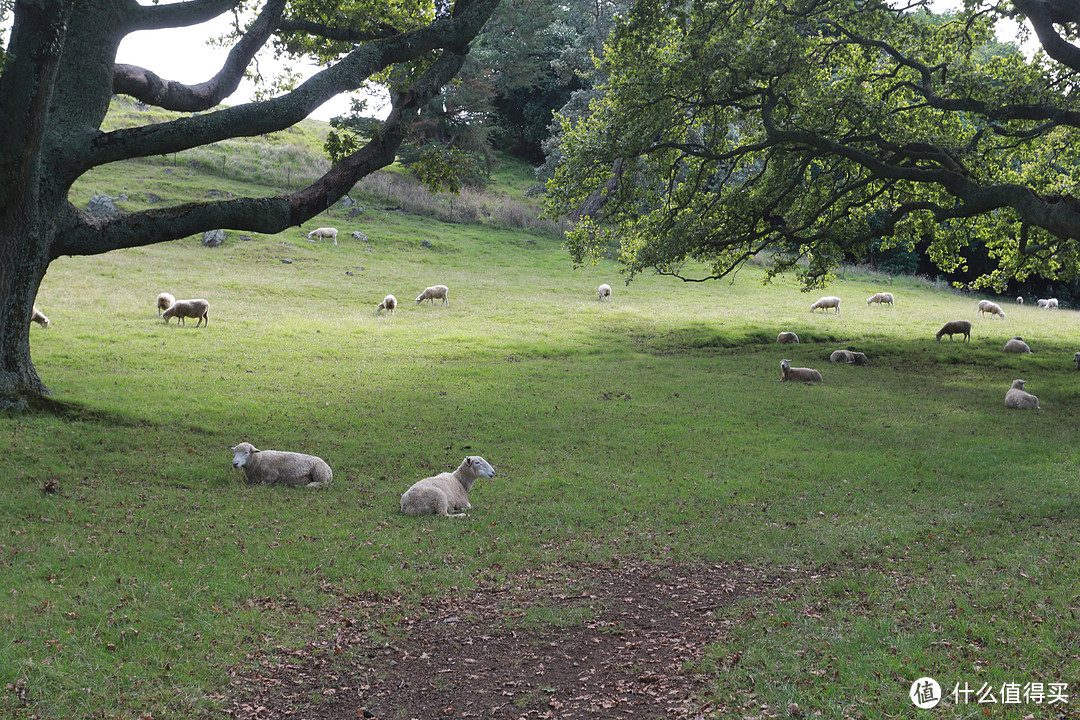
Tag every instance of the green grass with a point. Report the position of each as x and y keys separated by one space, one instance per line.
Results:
x=938 y=530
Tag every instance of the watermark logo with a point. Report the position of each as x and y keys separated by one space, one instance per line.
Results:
x=925 y=693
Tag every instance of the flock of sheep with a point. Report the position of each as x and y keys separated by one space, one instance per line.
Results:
x=1016 y=397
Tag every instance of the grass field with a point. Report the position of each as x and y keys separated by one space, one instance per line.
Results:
x=936 y=531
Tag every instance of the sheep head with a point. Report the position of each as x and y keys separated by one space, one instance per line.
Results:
x=243 y=453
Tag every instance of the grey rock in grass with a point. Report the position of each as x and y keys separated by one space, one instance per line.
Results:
x=213 y=238
x=101 y=206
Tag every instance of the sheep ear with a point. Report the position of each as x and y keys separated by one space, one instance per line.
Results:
x=468 y=460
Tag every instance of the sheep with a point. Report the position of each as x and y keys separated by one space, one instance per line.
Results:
x=1044 y=304
x=444 y=492
x=1076 y=360
x=1052 y=304
x=1020 y=399
x=827 y=302
x=275 y=467
x=1017 y=345
x=985 y=306
x=435 y=291
x=847 y=356
x=1019 y=299
x=164 y=302
x=39 y=317
x=807 y=375
x=881 y=298
x=388 y=304
x=787 y=337
x=955 y=327
x=189 y=309
x=326 y=232
x=603 y=292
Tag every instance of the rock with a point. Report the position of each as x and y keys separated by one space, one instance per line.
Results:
x=101 y=206
x=213 y=238
x=357 y=235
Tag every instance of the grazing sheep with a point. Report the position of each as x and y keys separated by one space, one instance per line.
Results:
x=1019 y=299
x=827 y=302
x=1052 y=304
x=1044 y=304
x=388 y=304
x=603 y=292
x=955 y=327
x=1076 y=360
x=330 y=233
x=435 y=291
x=1019 y=398
x=1017 y=345
x=985 y=306
x=164 y=302
x=274 y=467
x=188 y=309
x=847 y=356
x=787 y=337
x=38 y=317
x=880 y=298
x=807 y=375
x=444 y=492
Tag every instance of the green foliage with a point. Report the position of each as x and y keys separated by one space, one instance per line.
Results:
x=441 y=167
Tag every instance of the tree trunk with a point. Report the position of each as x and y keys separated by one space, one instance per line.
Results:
x=22 y=266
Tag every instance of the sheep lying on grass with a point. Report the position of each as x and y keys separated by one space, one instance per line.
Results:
x=274 y=467
x=433 y=292
x=827 y=302
x=388 y=304
x=1019 y=398
x=604 y=292
x=188 y=309
x=799 y=374
x=956 y=327
x=329 y=233
x=847 y=356
x=1017 y=345
x=39 y=317
x=164 y=302
x=787 y=337
x=880 y=298
x=444 y=492
x=985 y=306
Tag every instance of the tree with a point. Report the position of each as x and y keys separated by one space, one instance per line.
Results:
x=59 y=74
x=809 y=129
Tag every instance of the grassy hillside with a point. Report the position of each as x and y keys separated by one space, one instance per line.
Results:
x=928 y=530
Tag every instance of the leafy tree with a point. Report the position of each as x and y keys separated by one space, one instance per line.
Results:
x=60 y=72
x=810 y=129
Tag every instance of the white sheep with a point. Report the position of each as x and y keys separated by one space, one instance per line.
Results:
x=1017 y=345
x=433 y=292
x=880 y=298
x=847 y=356
x=1042 y=303
x=985 y=306
x=1052 y=304
x=444 y=492
x=388 y=304
x=39 y=317
x=955 y=327
x=327 y=232
x=1076 y=360
x=164 y=301
x=1020 y=399
x=1019 y=299
x=787 y=337
x=807 y=375
x=603 y=292
x=189 y=309
x=275 y=467
x=827 y=302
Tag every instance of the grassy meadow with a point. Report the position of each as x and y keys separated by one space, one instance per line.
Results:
x=930 y=530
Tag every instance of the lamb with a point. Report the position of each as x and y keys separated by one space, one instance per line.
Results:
x=1052 y=304
x=327 y=232
x=189 y=309
x=1017 y=345
x=1019 y=299
x=955 y=327
x=39 y=317
x=435 y=291
x=827 y=302
x=164 y=302
x=787 y=337
x=275 y=467
x=880 y=298
x=604 y=292
x=847 y=356
x=1020 y=399
x=807 y=375
x=444 y=492
x=388 y=304
x=985 y=306
x=1044 y=304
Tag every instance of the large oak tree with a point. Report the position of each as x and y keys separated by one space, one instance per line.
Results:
x=810 y=129
x=60 y=72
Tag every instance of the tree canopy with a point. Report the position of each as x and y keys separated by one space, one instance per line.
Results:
x=814 y=130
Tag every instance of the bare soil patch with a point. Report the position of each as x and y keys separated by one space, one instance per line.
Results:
x=591 y=642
